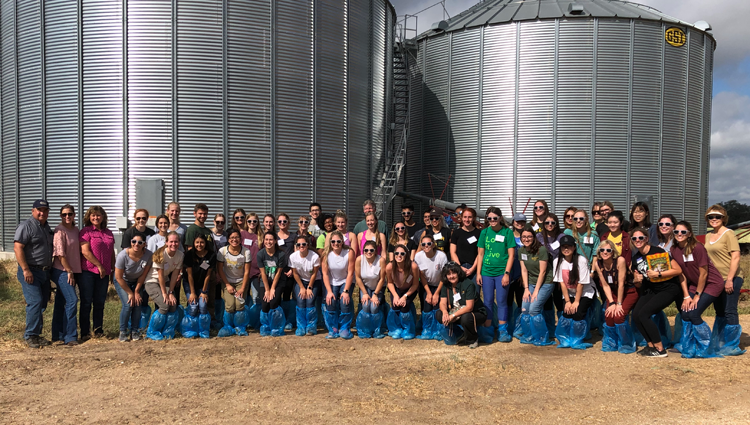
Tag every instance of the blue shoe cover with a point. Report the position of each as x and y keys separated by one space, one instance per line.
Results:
x=716 y=332
x=254 y=315
x=578 y=333
x=525 y=336
x=686 y=346
x=301 y=318
x=394 y=324
x=549 y=320
x=730 y=341
x=278 y=321
x=437 y=327
x=265 y=324
x=408 y=326
x=145 y=316
x=288 y=307
x=187 y=325
x=204 y=325
x=156 y=326
x=171 y=324
x=364 y=325
x=345 y=325
x=514 y=322
x=452 y=333
x=241 y=319
x=625 y=339
x=610 y=338
x=502 y=333
x=702 y=338
x=311 y=324
x=662 y=323
x=562 y=332
x=331 y=318
x=540 y=330
x=428 y=324
x=228 y=328
x=486 y=334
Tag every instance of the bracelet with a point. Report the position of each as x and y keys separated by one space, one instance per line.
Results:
x=619 y=304
x=204 y=292
x=686 y=298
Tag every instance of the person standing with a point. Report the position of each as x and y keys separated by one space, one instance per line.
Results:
x=596 y=216
x=320 y=242
x=586 y=238
x=98 y=263
x=371 y=234
x=439 y=232
x=200 y=212
x=66 y=271
x=316 y=225
x=568 y=217
x=219 y=234
x=285 y=242
x=617 y=236
x=426 y=222
x=369 y=207
x=666 y=231
x=641 y=217
x=158 y=239
x=140 y=217
x=407 y=215
x=32 y=244
x=399 y=236
x=540 y=213
x=173 y=212
x=464 y=246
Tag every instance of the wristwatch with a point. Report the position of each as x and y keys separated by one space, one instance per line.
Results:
x=170 y=292
x=204 y=292
x=507 y=272
x=346 y=291
x=697 y=293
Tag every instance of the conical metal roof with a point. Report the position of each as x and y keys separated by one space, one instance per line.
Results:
x=489 y=12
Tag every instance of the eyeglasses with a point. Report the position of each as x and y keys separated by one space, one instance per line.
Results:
x=665 y=224
x=400 y=229
x=369 y=251
x=141 y=218
x=495 y=218
x=67 y=214
x=680 y=232
x=406 y=213
x=301 y=244
x=568 y=215
x=336 y=241
x=219 y=222
x=426 y=243
x=550 y=223
x=526 y=238
x=136 y=242
x=715 y=216
x=539 y=207
x=239 y=217
x=399 y=254
x=638 y=238
x=304 y=222
x=282 y=221
x=234 y=238
x=252 y=221
x=579 y=219
x=605 y=249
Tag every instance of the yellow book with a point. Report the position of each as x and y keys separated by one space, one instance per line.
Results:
x=659 y=263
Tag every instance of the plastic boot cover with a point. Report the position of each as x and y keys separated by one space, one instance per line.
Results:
x=188 y=325
x=228 y=328
x=395 y=330
x=562 y=332
x=662 y=323
x=311 y=324
x=437 y=328
x=610 y=339
x=192 y=309
x=730 y=341
x=265 y=324
x=486 y=334
x=514 y=322
x=686 y=346
x=332 y=321
x=717 y=333
x=180 y=315
x=241 y=319
x=319 y=306
x=549 y=320
x=288 y=307
x=625 y=339
x=376 y=319
x=408 y=326
x=145 y=316
x=278 y=321
x=254 y=316
x=677 y=332
x=540 y=330
x=526 y=335
x=578 y=333
x=169 y=327
x=702 y=338
x=345 y=325
x=364 y=325
x=301 y=318
x=452 y=333
x=204 y=325
x=502 y=333
x=156 y=326
x=428 y=324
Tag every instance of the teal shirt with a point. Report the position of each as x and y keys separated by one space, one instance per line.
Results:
x=587 y=245
x=496 y=246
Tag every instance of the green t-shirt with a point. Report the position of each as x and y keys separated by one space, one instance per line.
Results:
x=496 y=246
x=467 y=290
x=321 y=242
x=195 y=230
x=531 y=261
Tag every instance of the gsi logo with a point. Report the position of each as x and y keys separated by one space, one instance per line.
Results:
x=675 y=36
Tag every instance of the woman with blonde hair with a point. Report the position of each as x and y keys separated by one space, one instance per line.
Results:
x=587 y=239
x=621 y=295
x=341 y=224
x=160 y=285
x=337 y=266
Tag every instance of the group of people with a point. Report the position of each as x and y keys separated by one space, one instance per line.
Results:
x=260 y=274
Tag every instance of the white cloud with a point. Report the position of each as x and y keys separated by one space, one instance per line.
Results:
x=730 y=148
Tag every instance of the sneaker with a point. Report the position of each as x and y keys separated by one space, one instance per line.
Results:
x=42 y=342
x=656 y=353
x=310 y=332
x=288 y=327
x=135 y=336
x=32 y=342
x=124 y=337
x=71 y=343
x=642 y=351
x=474 y=344
x=98 y=333
x=646 y=352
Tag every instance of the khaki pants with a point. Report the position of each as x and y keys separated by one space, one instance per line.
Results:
x=231 y=303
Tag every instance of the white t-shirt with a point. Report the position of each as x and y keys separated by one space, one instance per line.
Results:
x=169 y=265
x=432 y=267
x=370 y=274
x=305 y=265
x=234 y=265
x=561 y=275
x=338 y=267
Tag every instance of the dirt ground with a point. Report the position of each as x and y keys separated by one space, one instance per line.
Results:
x=312 y=380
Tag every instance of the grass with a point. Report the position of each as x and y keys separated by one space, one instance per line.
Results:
x=13 y=316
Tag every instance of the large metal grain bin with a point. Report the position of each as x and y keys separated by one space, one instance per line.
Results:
x=568 y=101
x=261 y=104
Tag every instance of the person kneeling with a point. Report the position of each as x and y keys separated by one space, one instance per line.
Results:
x=571 y=271
x=460 y=303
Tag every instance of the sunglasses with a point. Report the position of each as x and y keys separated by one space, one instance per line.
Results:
x=680 y=232
x=67 y=214
x=406 y=213
x=239 y=217
x=399 y=254
x=369 y=251
x=665 y=224
x=638 y=238
x=426 y=243
x=219 y=222
x=605 y=249
x=434 y=218
x=282 y=221
x=715 y=217
x=304 y=222
x=141 y=218
x=136 y=242
x=493 y=218
x=539 y=207
x=336 y=241
x=579 y=219
x=596 y=212
x=568 y=215
x=301 y=244
x=252 y=221
x=400 y=229
x=550 y=223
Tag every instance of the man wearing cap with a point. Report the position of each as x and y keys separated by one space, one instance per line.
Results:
x=33 y=249
x=367 y=207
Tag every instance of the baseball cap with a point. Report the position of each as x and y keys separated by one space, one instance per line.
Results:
x=519 y=217
x=41 y=203
x=567 y=240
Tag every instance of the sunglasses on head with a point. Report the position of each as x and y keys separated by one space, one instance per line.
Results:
x=638 y=238
x=336 y=241
x=67 y=214
x=715 y=216
x=304 y=222
x=399 y=254
x=426 y=243
x=239 y=217
x=369 y=251
x=680 y=232
x=665 y=224
x=301 y=244
x=605 y=249
x=579 y=219
x=136 y=242
x=282 y=221
x=219 y=222
x=399 y=229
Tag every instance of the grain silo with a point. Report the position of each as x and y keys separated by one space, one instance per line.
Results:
x=259 y=104
x=570 y=101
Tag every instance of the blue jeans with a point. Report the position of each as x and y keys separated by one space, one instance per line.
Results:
x=492 y=285
x=64 y=324
x=538 y=305
x=36 y=295
x=370 y=307
x=128 y=313
x=694 y=316
x=93 y=290
x=201 y=307
x=337 y=303
x=307 y=303
x=730 y=311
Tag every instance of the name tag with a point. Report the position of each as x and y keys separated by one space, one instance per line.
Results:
x=204 y=265
x=609 y=280
x=589 y=239
x=499 y=238
x=688 y=258
x=248 y=242
x=281 y=242
x=524 y=257
x=408 y=279
x=456 y=298
x=535 y=227
x=437 y=236
x=554 y=245
x=270 y=264
x=472 y=240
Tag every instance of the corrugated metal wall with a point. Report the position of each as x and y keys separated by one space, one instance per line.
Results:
x=571 y=111
x=244 y=103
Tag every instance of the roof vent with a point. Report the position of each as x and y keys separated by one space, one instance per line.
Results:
x=703 y=26
x=576 y=9
x=439 y=26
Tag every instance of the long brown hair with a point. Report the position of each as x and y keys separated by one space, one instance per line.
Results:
x=407 y=261
x=234 y=223
x=535 y=245
x=691 y=240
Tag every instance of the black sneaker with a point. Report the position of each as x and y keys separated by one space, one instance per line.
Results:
x=135 y=336
x=43 y=342
x=656 y=353
x=644 y=351
x=32 y=342
x=124 y=337
x=474 y=344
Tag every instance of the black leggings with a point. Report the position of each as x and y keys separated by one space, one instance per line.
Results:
x=425 y=306
x=583 y=308
x=705 y=300
x=555 y=302
x=468 y=321
x=409 y=300
x=651 y=303
x=515 y=291
x=275 y=302
x=287 y=286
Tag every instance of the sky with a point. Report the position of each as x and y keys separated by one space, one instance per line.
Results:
x=730 y=126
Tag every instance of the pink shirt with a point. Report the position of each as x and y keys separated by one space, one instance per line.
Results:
x=102 y=243
x=65 y=244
